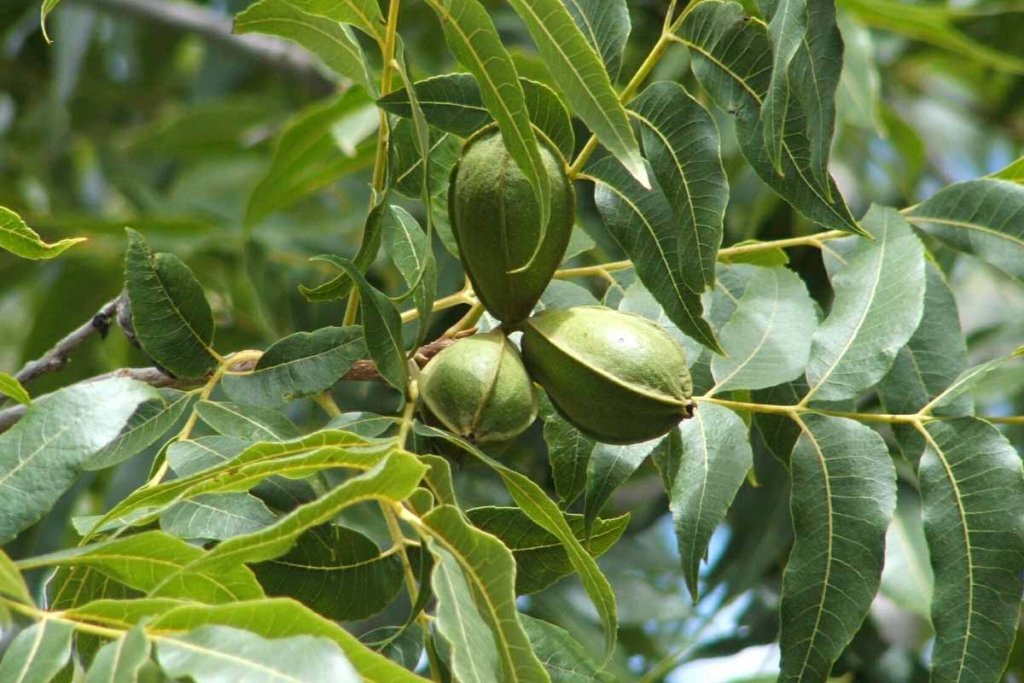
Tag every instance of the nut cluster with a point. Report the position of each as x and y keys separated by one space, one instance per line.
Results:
x=617 y=377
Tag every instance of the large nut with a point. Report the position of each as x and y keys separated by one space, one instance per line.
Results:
x=479 y=389
x=496 y=221
x=616 y=377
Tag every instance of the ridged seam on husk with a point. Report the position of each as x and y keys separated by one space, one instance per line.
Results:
x=579 y=362
x=546 y=142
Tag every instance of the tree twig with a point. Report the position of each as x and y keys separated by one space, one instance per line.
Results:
x=217 y=29
x=361 y=371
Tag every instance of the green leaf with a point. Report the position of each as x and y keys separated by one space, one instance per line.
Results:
x=580 y=75
x=569 y=454
x=543 y=511
x=213 y=654
x=307 y=156
x=43 y=454
x=681 y=142
x=540 y=557
x=907 y=577
x=948 y=402
x=565 y=659
x=154 y=561
x=216 y=516
x=973 y=503
x=643 y=223
x=608 y=467
x=170 y=313
x=928 y=364
x=767 y=340
x=606 y=26
x=732 y=59
x=473 y=580
x=339 y=286
x=406 y=170
x=256 y=463
x=932 y=24
x=843 y=496
x=23 y=241
x=879 y=298
x=787 y=25
x=410 y=249
x=11 y=387
x=453 y=103
x=337 y=572
x=382 y=326
x=393 y=479
x=1014 y=172
x=475 y=42
x=363 y=14
x=301 y=364
x=38 y=653
x=281 y=618
x=702 y=466
x=246 y=422
x=11 y=582
x=119 y=661
x=151 y=420
x=332 y=42
x=983 y=217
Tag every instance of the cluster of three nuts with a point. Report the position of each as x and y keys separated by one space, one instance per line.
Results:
x=616 y=377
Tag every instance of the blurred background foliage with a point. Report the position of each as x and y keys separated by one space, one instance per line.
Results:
x=131 y=119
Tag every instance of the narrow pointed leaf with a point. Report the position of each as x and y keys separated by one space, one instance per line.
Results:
x=453 y=103
x=767 y=340
x=473 y=579
x=337 y=572
x=643 y=223
x=787 y=24
x=275 y=618
x=150 y=421
x=540 y=557
x=301 y=364
x=246 y=422
x=702 y=467
x=38 y=653
x=332 y=42
x=972 y=494
x=363 y=14
x=340 y=285
x=566 y=660
x=119 y=661
x=216 y=516
x=606 y=26
x=608 y=467
x=475 y=42
x=580 y=75
x=43 y=454
x=879 y=298
x=545 y=513
x=152 y=560
x=382 y=326
x=681 y=142
x=732 y=59
x=843 y=496
x=411 y=251
x=983 y=217
x=170 y=313
x=569 y=454
x=23 y=241
x=215 y=654
x=307 y=157
x=928 y=364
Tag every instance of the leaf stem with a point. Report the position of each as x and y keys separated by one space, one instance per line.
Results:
x=795 y=411
x=815 y=240
x=380 y=161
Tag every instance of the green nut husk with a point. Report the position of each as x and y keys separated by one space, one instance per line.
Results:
x=496 y=222
x=616 y=377
x=479 y=389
